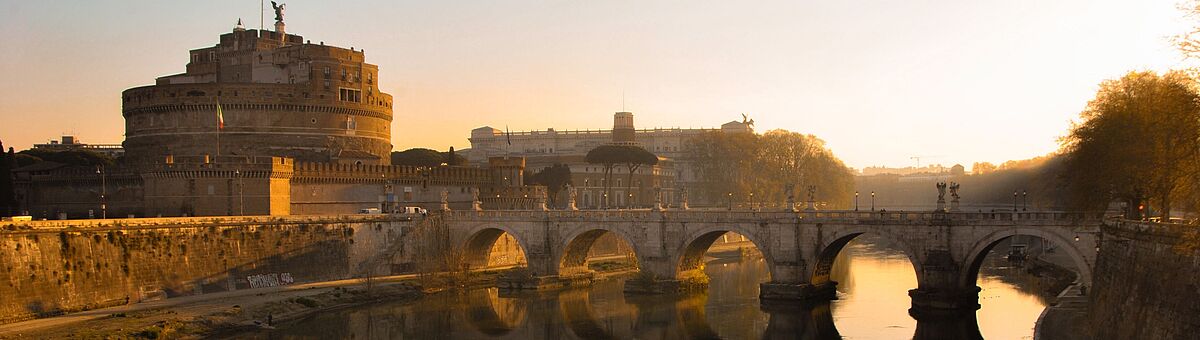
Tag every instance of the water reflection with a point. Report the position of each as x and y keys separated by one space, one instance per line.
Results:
x=872 y=303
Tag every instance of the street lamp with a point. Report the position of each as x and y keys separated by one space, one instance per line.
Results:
x=752 y=201
x=872 y=200
x=730 y=199
x=241 y=198
x=1014 y=201
x=1024 y=197
x=103 y=192
x=856 y=201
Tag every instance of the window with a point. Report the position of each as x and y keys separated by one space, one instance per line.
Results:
x=343 y=74
x=326 y=73
x=350 y=95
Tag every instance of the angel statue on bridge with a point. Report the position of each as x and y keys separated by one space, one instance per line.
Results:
x=941 y=186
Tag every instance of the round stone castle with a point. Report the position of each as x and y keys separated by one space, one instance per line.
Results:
x=278 y=96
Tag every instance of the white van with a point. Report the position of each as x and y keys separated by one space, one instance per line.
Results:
x=368 y=211
x=414 y=210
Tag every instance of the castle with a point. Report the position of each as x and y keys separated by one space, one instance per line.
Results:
x=262 y=123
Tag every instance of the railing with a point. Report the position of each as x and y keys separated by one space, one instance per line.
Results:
x=850 y=216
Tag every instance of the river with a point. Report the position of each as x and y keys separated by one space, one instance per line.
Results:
x=872 y=303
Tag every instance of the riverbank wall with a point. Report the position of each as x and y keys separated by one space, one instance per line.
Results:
x=53 y=267
x=1146 y=284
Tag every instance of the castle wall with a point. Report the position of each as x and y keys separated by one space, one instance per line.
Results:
x=1146 y=272
x=322 y=188
x=50 y=267
x=282 y=120
x=76 y=194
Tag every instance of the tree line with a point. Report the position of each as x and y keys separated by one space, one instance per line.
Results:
x=767 y=168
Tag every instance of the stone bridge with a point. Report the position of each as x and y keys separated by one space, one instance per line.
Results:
x=946 y=248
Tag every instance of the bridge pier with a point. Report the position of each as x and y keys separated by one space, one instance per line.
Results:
x=648 y=283
x=945 y=313
x=523 y=281
x=797 y=292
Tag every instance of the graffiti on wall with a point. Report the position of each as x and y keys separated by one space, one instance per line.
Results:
x=270 y=280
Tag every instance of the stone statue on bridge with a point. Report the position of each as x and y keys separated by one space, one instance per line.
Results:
x=941 y=202
x=445 y=200
x=571 y=197
x=954 y=195
x=683 y=199
x=476 y=205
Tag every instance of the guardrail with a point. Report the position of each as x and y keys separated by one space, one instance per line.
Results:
x=819 y=216
x=816 y=216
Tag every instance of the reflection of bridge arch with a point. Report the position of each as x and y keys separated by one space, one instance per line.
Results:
x=685 y=312
x=573 y=259
x=478 y=245
x=576 y=307
x=697 y=242
x=493 y=315
x=800 y=321
x=982 y=247
x=830 y=250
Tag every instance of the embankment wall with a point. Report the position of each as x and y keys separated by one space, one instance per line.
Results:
x=1146 y=284
x=52 y=267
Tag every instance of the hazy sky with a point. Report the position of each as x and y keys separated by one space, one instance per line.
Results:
x=880 y=81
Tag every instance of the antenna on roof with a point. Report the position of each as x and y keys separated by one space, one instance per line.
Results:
x=261 y=26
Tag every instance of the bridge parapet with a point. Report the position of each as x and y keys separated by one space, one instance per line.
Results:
x=827 y=216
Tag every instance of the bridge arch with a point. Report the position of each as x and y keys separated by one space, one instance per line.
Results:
x=574 y=253
x=696 y=243
x=982 y=247
x=477 y=247
x=829 y=251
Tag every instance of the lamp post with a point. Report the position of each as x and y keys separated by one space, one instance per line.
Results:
x=751 y=201
x=1024 y=198
x=103 y=192
x=872 y=200
x=1014 y=201
x=856 y=201
x=730 y=199
x=241 y=198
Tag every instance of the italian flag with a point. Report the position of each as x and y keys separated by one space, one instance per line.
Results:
x=220 y=117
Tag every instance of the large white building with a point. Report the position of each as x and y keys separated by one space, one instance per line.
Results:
x=668 y=143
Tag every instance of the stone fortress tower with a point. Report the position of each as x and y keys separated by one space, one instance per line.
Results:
x=279 y=95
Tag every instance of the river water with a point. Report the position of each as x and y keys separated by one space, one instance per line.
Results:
x=872 y=303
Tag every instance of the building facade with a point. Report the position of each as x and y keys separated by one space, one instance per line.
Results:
x=72 y=143
x=548 y=147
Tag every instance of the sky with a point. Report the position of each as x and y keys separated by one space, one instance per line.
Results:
x=879 y=81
